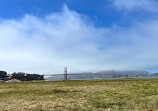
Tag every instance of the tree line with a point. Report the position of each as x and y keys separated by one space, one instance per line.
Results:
x=20 y=76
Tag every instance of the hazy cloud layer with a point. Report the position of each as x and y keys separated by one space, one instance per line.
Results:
x=37 y=45
x=136 y=5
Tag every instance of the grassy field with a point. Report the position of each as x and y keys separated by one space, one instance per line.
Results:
x=90 y=95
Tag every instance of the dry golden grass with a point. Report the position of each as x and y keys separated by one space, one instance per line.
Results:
x=90 y=95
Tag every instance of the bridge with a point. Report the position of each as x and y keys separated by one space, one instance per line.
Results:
x=67 y=75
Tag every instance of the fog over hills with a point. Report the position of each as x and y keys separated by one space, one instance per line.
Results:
x=109 y=74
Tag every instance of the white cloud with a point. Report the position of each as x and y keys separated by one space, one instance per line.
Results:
x=136 y=5
x=36 y=45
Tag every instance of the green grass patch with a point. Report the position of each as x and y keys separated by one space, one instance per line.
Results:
x=84 y=95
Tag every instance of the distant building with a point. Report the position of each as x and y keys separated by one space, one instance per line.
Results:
x=13 y=80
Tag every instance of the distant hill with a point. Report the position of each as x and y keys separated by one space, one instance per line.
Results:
x=105 y=74
x=126 y=73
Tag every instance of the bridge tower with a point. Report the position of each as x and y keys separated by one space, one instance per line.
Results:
x=65 y=73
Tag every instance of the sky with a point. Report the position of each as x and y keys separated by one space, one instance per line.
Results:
x=40 y=36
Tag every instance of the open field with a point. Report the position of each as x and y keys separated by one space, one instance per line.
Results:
x=90 y=95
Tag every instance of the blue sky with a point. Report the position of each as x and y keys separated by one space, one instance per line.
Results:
x=91 y=35
x=102 y=12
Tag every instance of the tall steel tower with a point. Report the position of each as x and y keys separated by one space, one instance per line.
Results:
x=65 y=73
